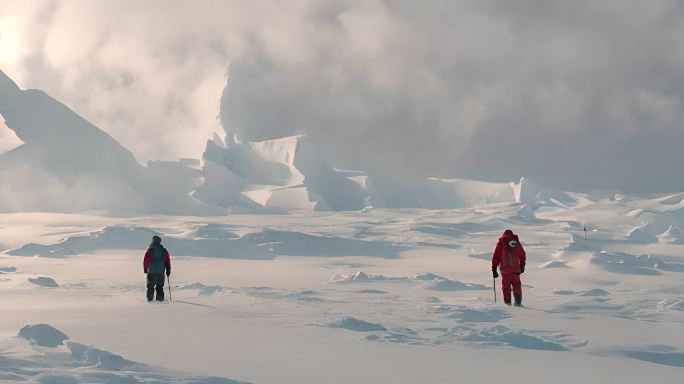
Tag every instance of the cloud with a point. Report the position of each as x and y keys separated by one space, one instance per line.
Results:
x=573 y=94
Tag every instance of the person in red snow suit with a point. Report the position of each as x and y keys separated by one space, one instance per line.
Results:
x=156 y=261
x=509 y=257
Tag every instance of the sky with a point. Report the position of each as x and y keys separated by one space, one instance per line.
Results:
x=577 y=94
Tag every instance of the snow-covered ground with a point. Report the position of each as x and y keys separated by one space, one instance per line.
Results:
x=377 y=296
x=271 y=285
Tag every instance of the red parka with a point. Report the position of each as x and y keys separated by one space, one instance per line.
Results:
x=509 y=254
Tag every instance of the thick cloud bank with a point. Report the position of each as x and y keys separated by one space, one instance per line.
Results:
x=574 y=94
x=66 y=164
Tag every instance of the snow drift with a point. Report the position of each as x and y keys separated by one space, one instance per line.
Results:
x=43 y=335
x=430 y=281
x=673 y=235
x=44 y=354
x=641 y=234
x=262 y=245
x=353 y=324
x=623 y=263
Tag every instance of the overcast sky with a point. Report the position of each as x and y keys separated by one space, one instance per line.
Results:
x=574 y=94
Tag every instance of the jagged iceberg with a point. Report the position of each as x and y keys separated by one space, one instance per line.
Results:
x=281 y=174
x=66 y=164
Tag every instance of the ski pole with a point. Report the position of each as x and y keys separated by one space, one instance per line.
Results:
x=170 y=297
x=495 y=290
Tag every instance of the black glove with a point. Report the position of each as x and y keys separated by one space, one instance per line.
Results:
x=522 y=268
x=145 y=271
x=495 y=274
x=168 y=272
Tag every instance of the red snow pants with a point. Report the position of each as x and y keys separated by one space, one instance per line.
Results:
x=510 y=280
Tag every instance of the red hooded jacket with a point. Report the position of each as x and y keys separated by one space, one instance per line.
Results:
x=509 y=254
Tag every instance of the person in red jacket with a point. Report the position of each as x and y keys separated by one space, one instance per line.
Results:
x=509 y=257
x=156 y=261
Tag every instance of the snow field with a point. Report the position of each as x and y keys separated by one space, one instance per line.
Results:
x=388 y=291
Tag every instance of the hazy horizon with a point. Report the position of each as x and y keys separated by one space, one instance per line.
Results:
x=576 y=95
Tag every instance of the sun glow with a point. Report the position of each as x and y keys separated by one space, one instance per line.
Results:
x=9 y=41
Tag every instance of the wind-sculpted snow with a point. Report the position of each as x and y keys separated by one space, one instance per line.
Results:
x=45 y=355
x=641 y=234
x=624 y=263
x=480 y=255
x=43 y=335
x=215 y=231
x=673 y=235
x=353 y=324
x=579 y=244
x=203 y=290
x=400 y=336
x=307 y=296
x=113 y=238
x=552 y=264
x=439 y=283
x=42 y=281
x=564 y=292
x=675 y=199
x=454 y=229
x=428 y=277
x=440 y=230
x=501 y=335
x=481 y=327
x=595 y=299
x=594 y=306
x=675 y=359
x=266 y=244
x=676 y=304
x=289 y=243
x=452 y=285
x=593 y=292
x=107 y=238
x=525 y=214
x=106 y=360
x=471 y=315
x=427 y=280
x=462 y=193
x=362 y=277
x=371 y=292
x=533 y=194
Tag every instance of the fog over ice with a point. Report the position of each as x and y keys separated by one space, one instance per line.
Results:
x=574 y=95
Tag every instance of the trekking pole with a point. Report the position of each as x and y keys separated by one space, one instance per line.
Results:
x=170 y=297
x=495 y=290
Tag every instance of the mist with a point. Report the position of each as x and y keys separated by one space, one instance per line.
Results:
x=574 y=95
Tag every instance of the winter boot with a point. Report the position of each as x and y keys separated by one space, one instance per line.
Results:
x=518 y=300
